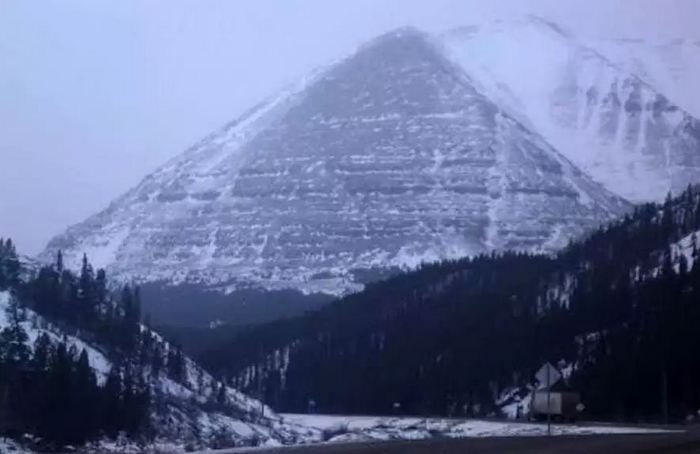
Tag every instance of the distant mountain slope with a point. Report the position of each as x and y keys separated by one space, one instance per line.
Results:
x=602 y=115
x=672 y=66
x=384 y=160
x=619 y=310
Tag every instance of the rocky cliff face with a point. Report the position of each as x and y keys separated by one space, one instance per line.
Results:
x=609 y=121
x=670 y=66
x=385 y=159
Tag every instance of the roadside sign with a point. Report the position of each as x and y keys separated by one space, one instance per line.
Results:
x=547 y=376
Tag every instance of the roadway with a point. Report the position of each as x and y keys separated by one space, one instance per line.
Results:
x=685 y=442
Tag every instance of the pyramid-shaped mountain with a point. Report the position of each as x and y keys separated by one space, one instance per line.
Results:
x=388 y=158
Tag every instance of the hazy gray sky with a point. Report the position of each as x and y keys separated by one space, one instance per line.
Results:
x=96 y=94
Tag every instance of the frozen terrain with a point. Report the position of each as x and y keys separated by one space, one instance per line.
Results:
x=8 y=446
x=672 y=66
x=387 y=159
x=367 y=428
x=609 y=115
x=180 y=409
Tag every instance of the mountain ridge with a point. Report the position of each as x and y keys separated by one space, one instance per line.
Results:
x=616 y=310
x=612 y=123
x=393 y=142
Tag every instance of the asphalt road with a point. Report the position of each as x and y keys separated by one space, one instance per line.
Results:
x=666 y=443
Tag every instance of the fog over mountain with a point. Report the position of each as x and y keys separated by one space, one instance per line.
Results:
x=106 y=92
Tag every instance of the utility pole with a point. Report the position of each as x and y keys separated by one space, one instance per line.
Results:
x=260 y=381
x=549 y=403
x=664 y=393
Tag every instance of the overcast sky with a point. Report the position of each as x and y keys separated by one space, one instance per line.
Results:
x=94 y=94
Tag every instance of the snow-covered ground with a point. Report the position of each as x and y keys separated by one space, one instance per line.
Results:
x=8 y=446
x=180 y=409
x=367 y=428
x=289 y=429
x=684 y=247
x=35 y=326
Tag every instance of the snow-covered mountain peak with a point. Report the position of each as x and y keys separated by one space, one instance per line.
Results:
x=529 y=23
x=387 y=158
x=507 y=50
x=671 y=66
x=610 y=121
x=400 y=33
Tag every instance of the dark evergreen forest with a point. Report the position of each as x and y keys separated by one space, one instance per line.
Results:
x=48 y=388
x=622 y=307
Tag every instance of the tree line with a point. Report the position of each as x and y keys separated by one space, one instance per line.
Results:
x=620 y=308
x=48 y=388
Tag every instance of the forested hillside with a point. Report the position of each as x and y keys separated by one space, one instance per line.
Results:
x=618 y=310
x=50 y=389
x=79 y=365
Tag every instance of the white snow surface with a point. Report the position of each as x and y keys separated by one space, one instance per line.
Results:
x=365 y=428
x=35 y=326
x=684 y=247
x=8 y=446
x=672 y=66
x=601 y=111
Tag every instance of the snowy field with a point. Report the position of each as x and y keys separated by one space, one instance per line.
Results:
x=368 y=428
x=8 y=446
x=346 y=429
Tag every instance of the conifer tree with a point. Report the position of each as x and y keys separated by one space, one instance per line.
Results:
x=13 y=338
x=157 y=360
x=59 y=262
x=42 y=353
x=112 y=404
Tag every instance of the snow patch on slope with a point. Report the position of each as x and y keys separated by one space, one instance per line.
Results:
x=8 y=446
x=35 y=326
x=182 y=409
x=686 y=247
